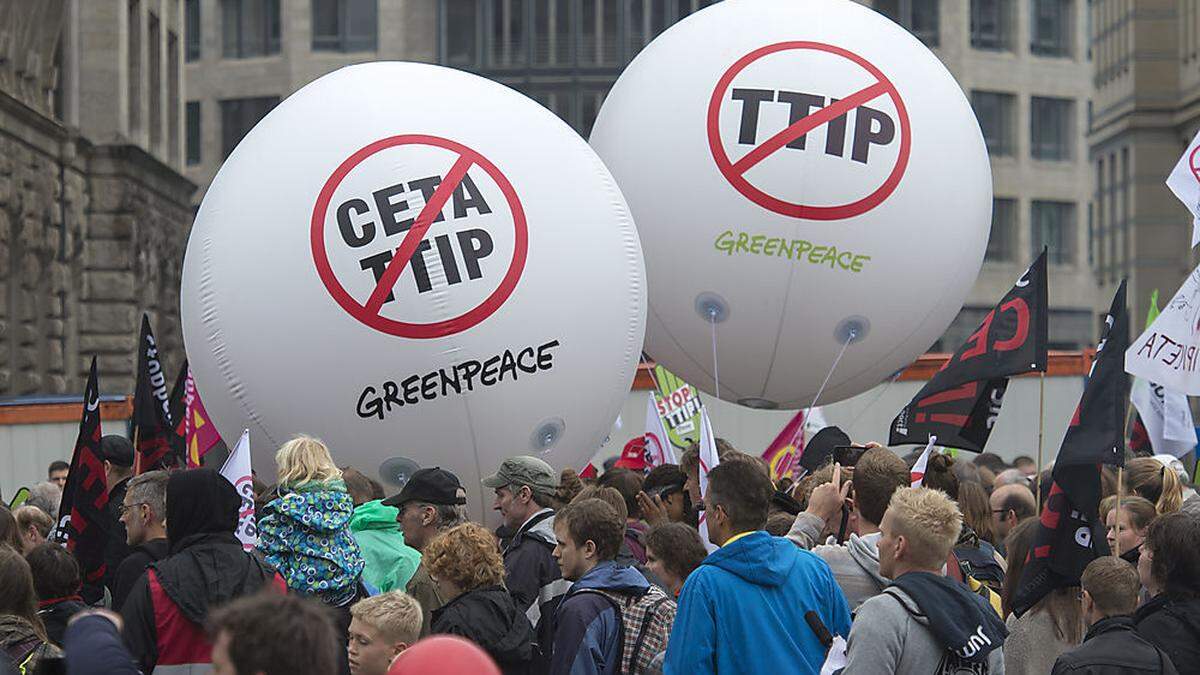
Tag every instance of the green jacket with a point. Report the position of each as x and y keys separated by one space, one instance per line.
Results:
x=390 y=562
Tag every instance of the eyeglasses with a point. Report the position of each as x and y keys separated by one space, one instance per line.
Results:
x=123 y=509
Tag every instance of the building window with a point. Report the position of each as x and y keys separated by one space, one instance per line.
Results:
x=238 y=117
x=1050 y=128
x=193 y=132
x=461 y=33
x=995 y=114
x=134 y=64
x=249 y=28
x=1054 y=228
x=598 y=37
x=192 y=17
x=1050 y=27
x=507 y=31
x=154 y=59
x=991 y=24
x=920 y=17
x=345 y=25
x=552 y=32
x=1002 y=243
x=174 y=141
x=647 y=18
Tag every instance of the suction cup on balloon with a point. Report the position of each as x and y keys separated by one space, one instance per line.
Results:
x=760 y=403
x=547 y=434
x=397 y=470
x=852 y=329
x=712 y=307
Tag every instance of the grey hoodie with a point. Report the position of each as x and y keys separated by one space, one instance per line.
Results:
x=855 y=565
x=890 y=635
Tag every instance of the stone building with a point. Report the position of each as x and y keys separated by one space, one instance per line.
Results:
x=94 y=210
x=1145 y=111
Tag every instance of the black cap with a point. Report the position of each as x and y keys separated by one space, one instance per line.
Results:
x=819 y=449
x=117 y=450
x=433 y=486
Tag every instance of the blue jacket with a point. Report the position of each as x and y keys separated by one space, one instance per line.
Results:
x=742 y=610
x=587 y=627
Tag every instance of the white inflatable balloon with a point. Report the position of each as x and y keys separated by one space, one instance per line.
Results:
x=512 y=324
x=803 y=173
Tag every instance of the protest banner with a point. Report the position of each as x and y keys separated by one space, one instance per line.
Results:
x=237 y=471
x=1184 y=181
x=1168 y=351
x=1164 y=415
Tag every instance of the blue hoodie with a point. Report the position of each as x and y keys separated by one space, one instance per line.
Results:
x=742 y=610
x=587 y=628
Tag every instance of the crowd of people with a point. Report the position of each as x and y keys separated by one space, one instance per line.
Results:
x=849 y=568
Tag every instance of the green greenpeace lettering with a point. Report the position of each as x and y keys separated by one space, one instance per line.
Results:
x=800 y=250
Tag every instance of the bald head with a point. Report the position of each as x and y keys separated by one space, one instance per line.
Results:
x=1010 y=505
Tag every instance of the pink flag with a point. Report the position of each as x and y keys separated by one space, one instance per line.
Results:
x=782 y=453
x=917 y=474
x=199 y=431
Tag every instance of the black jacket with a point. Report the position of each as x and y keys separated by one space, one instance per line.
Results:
x=1113 y=647
x=1174 y=627
x=134 y=565
x=489 y=618
x=116 y=549
x=55 y=617
x=94 y=647
x=535 y=581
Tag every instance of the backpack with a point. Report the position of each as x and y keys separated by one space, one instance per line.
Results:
x=646 y=622
x=950 y=663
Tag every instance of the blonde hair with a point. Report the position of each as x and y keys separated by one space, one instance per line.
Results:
x=33 y=516
x=1149 y=478
x=395 y=614
x=928 y=520
x=304 y=459
x=465 y=555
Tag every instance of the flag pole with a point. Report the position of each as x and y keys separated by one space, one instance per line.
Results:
x=1041 y=433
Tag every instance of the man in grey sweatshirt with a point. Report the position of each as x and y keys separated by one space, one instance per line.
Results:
x=855 y=564
x=925 y=622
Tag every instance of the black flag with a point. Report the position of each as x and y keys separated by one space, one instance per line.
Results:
x=960 y=402
x=81 y=514
x=153 y=432
x=1070 y=534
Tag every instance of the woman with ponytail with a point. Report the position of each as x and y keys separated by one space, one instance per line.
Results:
x=1147 y=477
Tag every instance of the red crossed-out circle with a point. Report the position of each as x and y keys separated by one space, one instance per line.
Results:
x=735 y=172
x=369 y=312
x=1194 y=163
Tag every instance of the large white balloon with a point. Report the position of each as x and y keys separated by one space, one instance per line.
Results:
x=514 y=327
x=804 y=173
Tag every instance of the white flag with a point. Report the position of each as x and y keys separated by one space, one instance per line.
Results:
x=708 y=460
x=236 y=470
x=814 y=420
x=659 y=450
x=1184 y=181
x=1169 y=351
x=1166 y=416
x=916 y=475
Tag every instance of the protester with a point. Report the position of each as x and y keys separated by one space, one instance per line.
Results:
x=469 y=571
x=381 y=627
x=629 y=484
x=1127 y=525
x=34 y=525
x=569 y=485
x=362 y=488
x=1110 y=595
x=144 y=515
x=1048 y=629
x=993 y=462
x=93 y=645
x=1168 y=568
x=207 y=567
x=612 y=620
x=432 y=501
x=855 y=565
x=22 y=636
x=1010 y=477
x=977 y=513
x=973 y=560
x=1147 y=477
x=273 y=634
x=57 y=473
x=689 y=463
x=389 y=561
x=444 y=655
x=779 y=523
x=924 y=622
x=116 y=454
x=756 y=587
x=614 y=499
x=664 y=498
x=1025 y=465
x=305 y=531
x=57 y=583
x=673 y=551
x=10 y=531
x=525 y=487
x=1010 y=504
x=46 y=496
